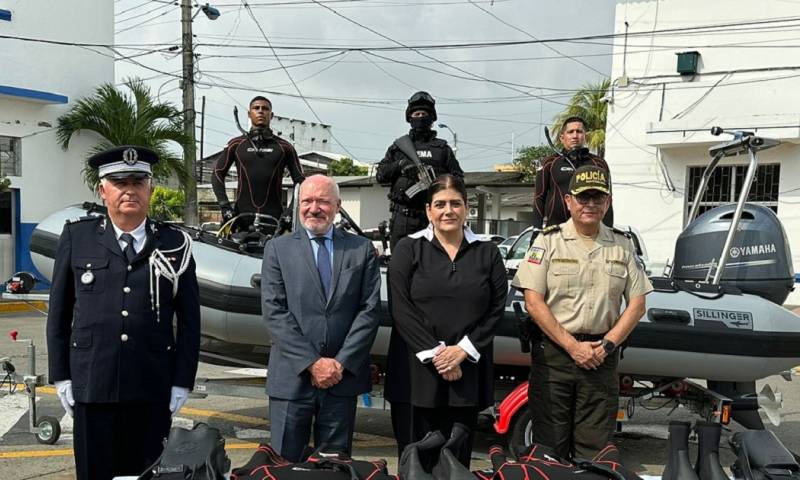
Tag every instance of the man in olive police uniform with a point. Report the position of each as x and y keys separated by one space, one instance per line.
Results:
x=118 y=281
x=400 y=172
x=574 y=278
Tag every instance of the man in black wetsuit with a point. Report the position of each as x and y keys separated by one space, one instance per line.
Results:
x=260 y=158
x=554 y=174
x=400 y=172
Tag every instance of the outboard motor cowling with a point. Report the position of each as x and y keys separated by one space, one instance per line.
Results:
x=759 y=260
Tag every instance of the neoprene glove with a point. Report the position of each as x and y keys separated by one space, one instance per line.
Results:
x=227 y=213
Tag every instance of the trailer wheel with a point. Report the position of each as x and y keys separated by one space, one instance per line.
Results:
x=521 y=433
x=49 y=430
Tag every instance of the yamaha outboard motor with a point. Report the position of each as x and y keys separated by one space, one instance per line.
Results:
x=759 y=262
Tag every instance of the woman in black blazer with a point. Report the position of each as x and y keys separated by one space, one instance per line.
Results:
x=448 y=292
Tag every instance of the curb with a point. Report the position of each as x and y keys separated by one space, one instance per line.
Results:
x=22 y=307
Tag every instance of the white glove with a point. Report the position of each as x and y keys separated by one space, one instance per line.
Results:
x=177 y=398
x=64 y=393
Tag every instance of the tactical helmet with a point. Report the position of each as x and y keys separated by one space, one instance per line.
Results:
x=421 y=101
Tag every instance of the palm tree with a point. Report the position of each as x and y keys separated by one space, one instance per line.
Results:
x=128 y=119
x=585 y=103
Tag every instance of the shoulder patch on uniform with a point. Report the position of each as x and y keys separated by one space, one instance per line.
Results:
x=535 y=255
x=82 y=219
x=624 y=233
x=551 y=229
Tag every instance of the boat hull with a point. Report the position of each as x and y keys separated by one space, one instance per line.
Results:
x=735 y=337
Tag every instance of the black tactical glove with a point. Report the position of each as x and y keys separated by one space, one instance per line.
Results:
x=227 y=213
x=406 y=165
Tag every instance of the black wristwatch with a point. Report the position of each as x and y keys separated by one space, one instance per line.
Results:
x=609 y=346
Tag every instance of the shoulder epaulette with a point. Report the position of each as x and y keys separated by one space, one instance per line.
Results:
x=551 y=229
x=82 y=219
x=624 y=233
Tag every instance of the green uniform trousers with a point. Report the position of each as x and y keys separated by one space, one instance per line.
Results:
x=574 y=410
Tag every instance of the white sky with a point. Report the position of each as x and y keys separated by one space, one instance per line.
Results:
x=370 y=97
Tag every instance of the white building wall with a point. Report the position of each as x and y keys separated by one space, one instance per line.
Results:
x=668 y=117
x=303 y=135
x=367 y=205
x=50 y=177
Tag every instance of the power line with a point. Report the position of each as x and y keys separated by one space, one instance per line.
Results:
x=299 y=64
x=139 y=15
x=143 y=22
x=361 y=3
x=475 y=75
x=289 y=75
x=132 y=8
x=487 y=44
x=534 y=37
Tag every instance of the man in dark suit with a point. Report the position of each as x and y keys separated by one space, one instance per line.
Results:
x=320 y=287
x=119 y=368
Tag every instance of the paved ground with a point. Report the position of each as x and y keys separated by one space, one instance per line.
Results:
x=243 y=421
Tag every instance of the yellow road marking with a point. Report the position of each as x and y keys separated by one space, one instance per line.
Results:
x=232 y=417
x=66 y=452
x=21 y=307
x=47 y=389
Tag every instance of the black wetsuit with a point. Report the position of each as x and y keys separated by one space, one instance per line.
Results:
x=260 y=173
x=552 y=183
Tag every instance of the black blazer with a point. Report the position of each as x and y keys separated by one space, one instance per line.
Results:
x=434 y=299
x=103 y=334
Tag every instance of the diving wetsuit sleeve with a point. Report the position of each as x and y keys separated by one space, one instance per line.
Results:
x=221 y=167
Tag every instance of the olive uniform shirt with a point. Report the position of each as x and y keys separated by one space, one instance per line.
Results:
x=583 y=287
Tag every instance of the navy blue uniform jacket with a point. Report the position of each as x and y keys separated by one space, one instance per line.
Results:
x=104 y=335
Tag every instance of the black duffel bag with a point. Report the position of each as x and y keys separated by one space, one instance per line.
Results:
x=761 y=456
x=322 y=464
x=538 y=462
x=196 y=454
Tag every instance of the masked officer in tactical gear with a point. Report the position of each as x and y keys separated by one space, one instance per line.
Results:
x=554 y=174
x=260 y=158
x=408 y=216
x=400 y=172
x=120 y=366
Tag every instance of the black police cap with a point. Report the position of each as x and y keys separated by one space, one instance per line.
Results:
x=124 y=161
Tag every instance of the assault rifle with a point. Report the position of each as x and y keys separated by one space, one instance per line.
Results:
x=425 y=174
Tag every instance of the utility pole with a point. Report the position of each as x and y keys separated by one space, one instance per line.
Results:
x=202 y=136
x=190 y=209
x=513 y=153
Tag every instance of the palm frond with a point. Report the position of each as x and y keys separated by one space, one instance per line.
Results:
x=128 y=118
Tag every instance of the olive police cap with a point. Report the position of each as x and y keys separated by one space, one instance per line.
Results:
x=589 y=177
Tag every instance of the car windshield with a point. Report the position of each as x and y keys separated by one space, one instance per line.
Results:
x=521 y=246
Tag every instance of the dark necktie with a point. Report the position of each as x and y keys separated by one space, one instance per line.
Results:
x=129 y=252
x=324 y=265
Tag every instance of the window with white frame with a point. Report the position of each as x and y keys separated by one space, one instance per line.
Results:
x=10 y=157
x=726 y=184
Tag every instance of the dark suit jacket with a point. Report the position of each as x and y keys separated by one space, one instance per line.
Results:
x=305 y=326
x=87 y=321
